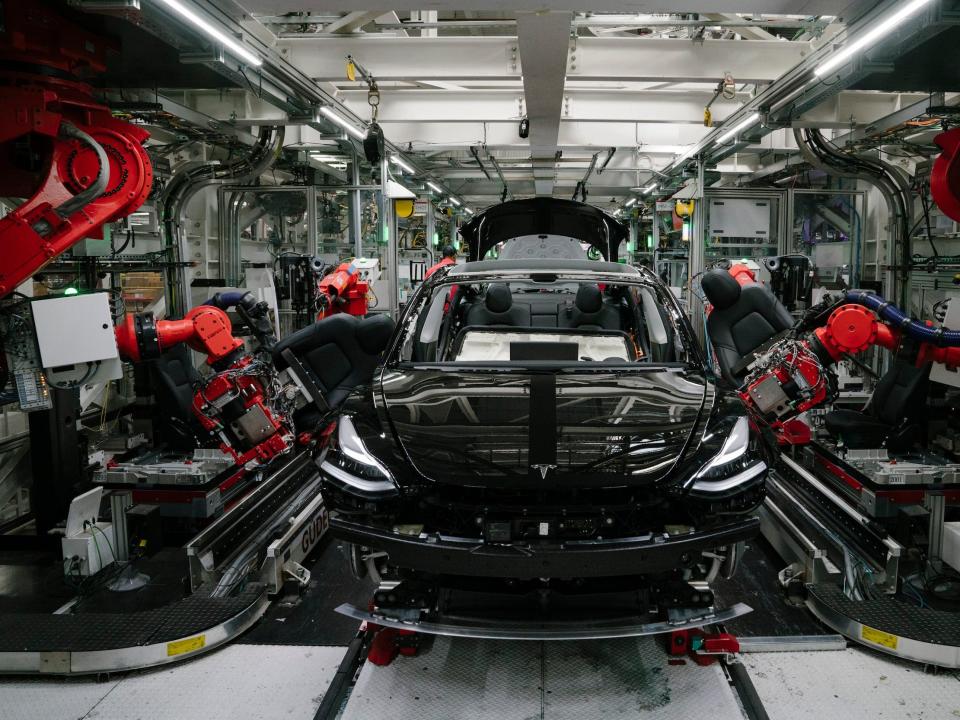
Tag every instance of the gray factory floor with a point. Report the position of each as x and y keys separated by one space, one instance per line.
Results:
x=283 y=667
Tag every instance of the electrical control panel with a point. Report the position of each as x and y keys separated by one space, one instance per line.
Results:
x=23 y=357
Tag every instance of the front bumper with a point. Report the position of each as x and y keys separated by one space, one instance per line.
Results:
x=583 y=629
x=442 y=555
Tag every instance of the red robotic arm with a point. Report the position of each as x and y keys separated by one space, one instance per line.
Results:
x=945 y=174
x=232 y=403
x=94 y=169
x=793 y=375
x=342 y=291
x=853 y=329
x=206 y=329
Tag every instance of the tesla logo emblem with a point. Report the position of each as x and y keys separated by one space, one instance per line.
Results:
x=544 y=469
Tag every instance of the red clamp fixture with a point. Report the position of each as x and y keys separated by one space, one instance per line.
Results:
x=388 y=643
x=702 y=647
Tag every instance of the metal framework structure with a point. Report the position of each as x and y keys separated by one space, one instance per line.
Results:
x=451 y=79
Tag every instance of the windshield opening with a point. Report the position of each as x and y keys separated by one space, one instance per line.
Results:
x=556 y=319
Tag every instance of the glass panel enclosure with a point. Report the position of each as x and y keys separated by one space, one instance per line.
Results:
x=296 y=231
x=827 y=227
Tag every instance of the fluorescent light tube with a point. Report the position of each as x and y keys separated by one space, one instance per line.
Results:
x=738 y=128
x=468 y=211
x=455 y=201
x=882 y=28
x=650 y=188
x=208 y=29
x=435 y=188
x=631 y=201
x=398 y=161
x=349 y=127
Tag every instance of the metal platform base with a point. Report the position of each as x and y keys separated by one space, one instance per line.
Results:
x=472 y=679
x=890 y=626
x=114 y=642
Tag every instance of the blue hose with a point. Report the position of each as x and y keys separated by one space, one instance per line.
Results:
x=894 y=316
x=228 y=299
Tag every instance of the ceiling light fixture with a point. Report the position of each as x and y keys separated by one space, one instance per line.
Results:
x=650 y=188
x=398 y=161
x=738 y=128
x=435 y=188
x=631 y=201
x=455 y=201
x=208 y=29
x=468 y=211
x=882 y=28
x=349 y=127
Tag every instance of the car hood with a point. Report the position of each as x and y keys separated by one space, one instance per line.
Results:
x=488 y=428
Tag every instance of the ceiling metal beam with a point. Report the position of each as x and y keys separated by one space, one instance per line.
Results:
x=752 y=29
x=799 y=89
x=776 y=7
x=543 y=39
x=351 y=22
x=602 y=59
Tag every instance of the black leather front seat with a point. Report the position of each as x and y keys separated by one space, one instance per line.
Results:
x=173 y=380
x=498 y=309
x=337 y=354
x=590 y=312
x=743 y=318
x=897 y=400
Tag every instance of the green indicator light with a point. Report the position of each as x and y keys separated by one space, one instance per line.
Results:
x=71 y=291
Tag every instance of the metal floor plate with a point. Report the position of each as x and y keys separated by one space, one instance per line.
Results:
x=87 y=632
x=239 y=681
x=471 y=679
x=895 y=616
x=854 y=684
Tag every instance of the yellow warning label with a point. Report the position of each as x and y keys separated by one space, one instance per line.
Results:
x=179 y=647
x=879 y=637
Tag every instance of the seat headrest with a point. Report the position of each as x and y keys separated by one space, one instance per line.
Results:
x=313 y=336
x=498 y=298
x=373 y=333
x=589 y=299
x=721 y=289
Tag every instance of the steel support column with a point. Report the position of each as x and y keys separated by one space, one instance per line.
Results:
x=431 y=228
x=356 y=229
x=389 y=220
x=696 y=253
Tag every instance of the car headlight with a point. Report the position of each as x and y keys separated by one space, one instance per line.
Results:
x=733 y=465
x=353 y=466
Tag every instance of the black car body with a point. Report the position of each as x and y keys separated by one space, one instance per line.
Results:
x=544 y=426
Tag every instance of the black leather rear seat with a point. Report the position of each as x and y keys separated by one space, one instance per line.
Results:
x=498 y=308
x=587 y=309
x=545 y=308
